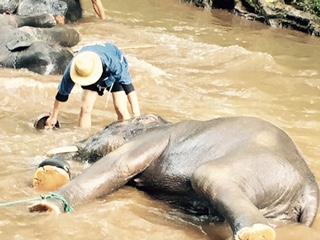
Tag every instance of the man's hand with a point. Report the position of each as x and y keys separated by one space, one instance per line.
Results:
x=60 y=20
x=51 y=122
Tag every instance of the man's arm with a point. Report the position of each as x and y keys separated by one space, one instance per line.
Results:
x=98 y=8
x=53 y=118
x=62 y=96
x=133 y=98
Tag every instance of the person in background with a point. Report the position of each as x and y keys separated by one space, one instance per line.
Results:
x=97 y=68
x=98 y=8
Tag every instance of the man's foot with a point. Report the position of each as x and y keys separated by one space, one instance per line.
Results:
x=256 y=232
x=50 y=177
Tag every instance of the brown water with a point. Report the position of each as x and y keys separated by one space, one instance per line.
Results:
x=187 y=64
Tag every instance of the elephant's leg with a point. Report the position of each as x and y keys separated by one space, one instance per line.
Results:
x=215 y=184
x=112 y=171
x=54 y=172
x=51 y=174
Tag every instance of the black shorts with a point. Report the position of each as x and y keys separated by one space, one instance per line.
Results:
x=117 y=87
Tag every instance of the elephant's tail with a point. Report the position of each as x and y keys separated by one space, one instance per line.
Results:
x=311 y=204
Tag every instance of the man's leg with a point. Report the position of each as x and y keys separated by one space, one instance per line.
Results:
x=133 y=99
x=88 y=100
x=98 y=8
x=120 y=105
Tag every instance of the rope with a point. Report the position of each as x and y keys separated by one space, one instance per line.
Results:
x=108 y=96
x=67 y=207
x=18 y=202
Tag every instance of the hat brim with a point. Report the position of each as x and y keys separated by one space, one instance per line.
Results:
x=90 y=79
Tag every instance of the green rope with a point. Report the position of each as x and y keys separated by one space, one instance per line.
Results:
x=67 y=207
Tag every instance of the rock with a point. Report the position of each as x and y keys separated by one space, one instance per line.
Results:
x=276 y=13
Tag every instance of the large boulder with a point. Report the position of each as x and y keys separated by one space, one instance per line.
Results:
x=36 y=7
x=32 y=40
x=41 y=50
x=42 y=21
x=8 y=6
x=71 y=9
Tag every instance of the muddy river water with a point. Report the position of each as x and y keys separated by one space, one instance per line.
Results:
x=187 y=64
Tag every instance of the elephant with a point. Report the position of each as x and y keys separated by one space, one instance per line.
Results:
x=245 y=171
x=31 y=42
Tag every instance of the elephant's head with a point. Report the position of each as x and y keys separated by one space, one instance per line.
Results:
x=115 y=135
x=53 y=172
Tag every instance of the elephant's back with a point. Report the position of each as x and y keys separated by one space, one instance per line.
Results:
x=231 y=142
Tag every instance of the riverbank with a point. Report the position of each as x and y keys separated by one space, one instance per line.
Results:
x=300 y=15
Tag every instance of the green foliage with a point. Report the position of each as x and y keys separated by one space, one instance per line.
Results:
x=312 y=6
x=317 y=7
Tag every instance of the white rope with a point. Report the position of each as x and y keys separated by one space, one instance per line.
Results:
x=108 y=95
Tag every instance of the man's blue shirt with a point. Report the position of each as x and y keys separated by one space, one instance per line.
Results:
x=115 y=68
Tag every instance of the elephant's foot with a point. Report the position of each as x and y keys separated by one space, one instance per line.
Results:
x=256 y=232
x=45 y=206
x=50 y=178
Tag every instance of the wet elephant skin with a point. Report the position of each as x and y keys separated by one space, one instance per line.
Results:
x=247 y=170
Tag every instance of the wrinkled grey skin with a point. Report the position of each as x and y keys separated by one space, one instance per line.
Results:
x=41 y=50
x=244 y=169
x=71 y=9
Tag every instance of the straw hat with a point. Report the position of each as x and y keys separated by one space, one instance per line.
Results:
x=86 y=68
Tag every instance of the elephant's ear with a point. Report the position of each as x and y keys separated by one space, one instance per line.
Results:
x=20 y=40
